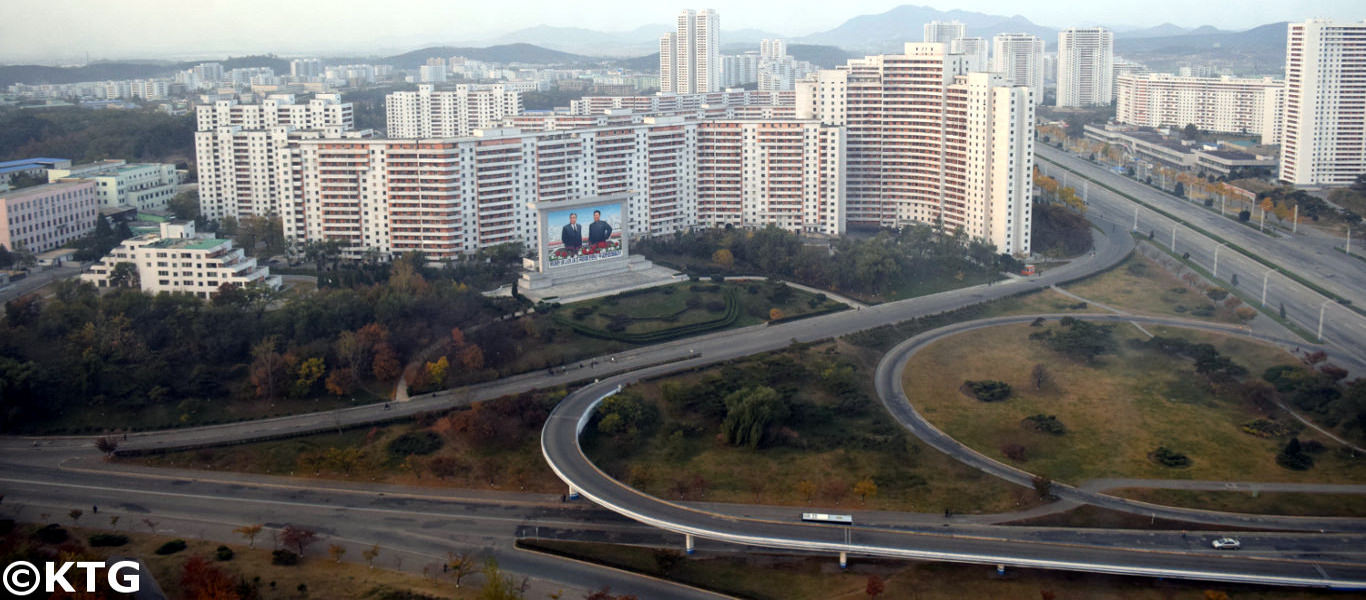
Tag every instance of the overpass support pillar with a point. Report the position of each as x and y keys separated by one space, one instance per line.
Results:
x=844 y=560
x=573 y=493
x=688 y=543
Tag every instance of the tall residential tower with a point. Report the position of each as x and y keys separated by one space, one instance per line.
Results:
x=1323 y=136
x=690 y=57
x=1086 y=63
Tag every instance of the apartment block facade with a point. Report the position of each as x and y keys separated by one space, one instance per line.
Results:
x=451 y=196
x=44 y=217
x=1086 y=63
x=177 y=261
x=690 y=56
x=449 y=113
x=1222 y=104
x=1323 y=136
x=928 y=142
x=144 y=186
x=1019 y=57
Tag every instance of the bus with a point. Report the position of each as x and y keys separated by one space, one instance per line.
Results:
x=824 y=518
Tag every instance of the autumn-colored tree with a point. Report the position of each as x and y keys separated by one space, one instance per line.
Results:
x=864 y=488
x=1215 y=595
x=472 y=357
x=775 y=313
x=267 y=368
x=308 y=373
x=437 y=371
x=457 y=337
x=460 y=564
x=724 y=258
x=340 y=382
x=806 y=489
x=370 y=554
x=386 y=365
x=298 y=537
x=250 y=532
x=336 y=551
x=874 y=587
x=75 y=514
x=373 y=335
x=351 y=352
x=202 y=580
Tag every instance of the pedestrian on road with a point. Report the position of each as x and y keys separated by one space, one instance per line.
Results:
x=94 y=510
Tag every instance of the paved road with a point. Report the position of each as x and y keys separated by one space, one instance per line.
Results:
x=1342 y=327
x=889 y=378
x=37 y=278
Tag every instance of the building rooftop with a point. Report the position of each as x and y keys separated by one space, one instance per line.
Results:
x=189 y=244
x=26 y=164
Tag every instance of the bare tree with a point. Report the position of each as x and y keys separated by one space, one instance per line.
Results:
x=298 y=537
x=107 y=445
x=460 y=565
x=250 y=532
x=370 y=554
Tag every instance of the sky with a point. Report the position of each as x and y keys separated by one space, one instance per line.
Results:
x=66 y=30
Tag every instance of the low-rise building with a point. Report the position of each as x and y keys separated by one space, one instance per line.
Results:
x=144 y=186
x=43 y=217
x=176 y=260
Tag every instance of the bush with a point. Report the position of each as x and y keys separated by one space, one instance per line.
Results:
x=51 y=534
x=284 y=558
x=693 y=302
x=223 y=553
x=1014 y=452
x=1264 y=428
x=1170 y=458
x=716 y=306
x=988 y=391
x=171 y=547
x=581 y=312
x=415 y=442
x=100 y=540
x=1217 y=294
x=1046 y=424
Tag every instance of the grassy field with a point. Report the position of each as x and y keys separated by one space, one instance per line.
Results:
x=494 y=445
x=1265 y=503
x=1116 y=412
x=830 y=441
x=322 y=576
x=775 y=577
x=688 y=303
x=1142 y=286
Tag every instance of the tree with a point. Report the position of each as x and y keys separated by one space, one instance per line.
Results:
x=202 y=580
x=370 y=554
x=724 y=258
x=460 y=564
x=436 y=371
x=1190 y=131
x=472 y=357
x=75 y=514
x=125 y=275
x=1180 y=190
x=267 y=367
x=308 y=373
x=775 y=313
x=250 y=532
x=498 y=586
x=386 y=365
x=107 y=445
x=750 y=414
x=1040 y=376
x=874 y=587
x=336 y=551
x=298 y=537
x=864 y=488
x=1043 y=486
x=806 y=489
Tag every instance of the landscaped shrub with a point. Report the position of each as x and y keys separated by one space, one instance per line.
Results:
x=1170 y=458
x=415 y=442
x=582 y=311
x=51 y=534
x=171 y=547
x=1217 y=294
x=107 y=540
x=988 y=391
x=223 y=553
x=284 y=558
x=1203 y=311
x=1014 y=452
x=1265 y=428
x=693 y=302
x=1046 y=424
x=716 y=306
x=1294 y=457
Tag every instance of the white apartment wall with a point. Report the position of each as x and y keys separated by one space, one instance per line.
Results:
x=1020 y=57
x=1085 y=66
x=1323 y=136
x=1220 y=104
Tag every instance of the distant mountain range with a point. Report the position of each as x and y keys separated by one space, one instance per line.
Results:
x=101 y=71
x=611 y=43
x=889 y=31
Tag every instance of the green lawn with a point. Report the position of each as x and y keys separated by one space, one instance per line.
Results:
x=1117 y=412
x=836 y=434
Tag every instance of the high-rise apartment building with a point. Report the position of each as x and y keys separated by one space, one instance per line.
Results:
x=244 y=150
x=690 y=57
x=944 y=32
x=975 y=49
x=306 y=68
x=1019 y=57
x=450 y=196
x=1086 y=62
x=772 y=48
x=1223 y=104
x=928 y=142
x=429 y=113
x=1323 y=138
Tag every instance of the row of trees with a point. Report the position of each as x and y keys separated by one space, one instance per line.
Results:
x=84 y=135
x=879 y=265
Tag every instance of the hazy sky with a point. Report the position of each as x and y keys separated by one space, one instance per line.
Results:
x=65 y=30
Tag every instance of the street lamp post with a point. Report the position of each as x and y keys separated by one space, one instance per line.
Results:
x=1321 y=308
x=1215 y=274
x=1349 y=231
x=1264 y=278
x=1173 y=239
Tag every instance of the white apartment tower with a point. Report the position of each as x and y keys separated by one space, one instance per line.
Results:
x=1323 y=136
x=961 y=154
x=429 y=113
x=773 y=48
x=1086 y=62
x=306 y=68
x=975 y=49
x=1019 y=57
x=944 y=32
x=690 y=57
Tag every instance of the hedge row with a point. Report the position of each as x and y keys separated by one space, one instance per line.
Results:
x=726 y=319
x=834 y=307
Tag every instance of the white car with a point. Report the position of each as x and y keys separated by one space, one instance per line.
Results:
x=1226 y=543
